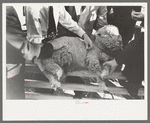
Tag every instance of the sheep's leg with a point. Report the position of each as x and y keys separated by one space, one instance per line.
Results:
x=105 y=72
x=53 y=81
x=101 y=76
x=51 y=70
x=94 y=66
x=39 y=64
x=102 y=85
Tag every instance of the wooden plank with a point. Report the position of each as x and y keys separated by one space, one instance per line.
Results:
x=31 y=68
x=79 y=87
x=115 y=75
x=38 y=96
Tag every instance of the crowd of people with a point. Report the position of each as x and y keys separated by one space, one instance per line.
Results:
x=50 y=22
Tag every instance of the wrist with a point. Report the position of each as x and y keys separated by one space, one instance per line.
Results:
x=115 y=62
x=83 y=36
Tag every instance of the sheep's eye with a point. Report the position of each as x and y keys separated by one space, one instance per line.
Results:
x=99 y=34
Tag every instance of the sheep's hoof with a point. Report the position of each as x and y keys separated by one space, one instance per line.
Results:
x=102 y=87
x=59 y=91
x=56 y=85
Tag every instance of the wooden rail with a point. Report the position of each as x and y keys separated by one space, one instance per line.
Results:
x=32 y=68
x=33 y=83
x=79 y=87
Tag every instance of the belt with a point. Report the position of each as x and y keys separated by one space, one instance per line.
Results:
x=51 y=36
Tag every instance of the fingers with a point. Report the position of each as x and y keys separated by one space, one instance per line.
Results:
x=136 y=13
x=55 y=86
x=137 y=16
x=88 y=46
x=107 y=63
x=87 y=41
x=112 y=64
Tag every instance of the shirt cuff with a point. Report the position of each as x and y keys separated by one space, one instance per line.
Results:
x=81 y=32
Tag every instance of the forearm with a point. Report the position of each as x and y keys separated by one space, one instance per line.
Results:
x=66 y=20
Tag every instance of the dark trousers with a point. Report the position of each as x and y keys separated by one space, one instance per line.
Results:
x=133 y=58
x=75 y=79
x=134 y=69
x=15 y=85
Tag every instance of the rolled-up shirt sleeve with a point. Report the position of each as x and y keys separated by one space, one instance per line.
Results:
x=66 y=21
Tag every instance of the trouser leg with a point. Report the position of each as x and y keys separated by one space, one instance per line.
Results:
x=15 y=83
x=75 y=79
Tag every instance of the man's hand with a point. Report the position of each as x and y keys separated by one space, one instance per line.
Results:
x=87 y=41
x=112 y=64
x=137 y=16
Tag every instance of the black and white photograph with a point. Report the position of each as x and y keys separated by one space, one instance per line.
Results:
x=74 y=56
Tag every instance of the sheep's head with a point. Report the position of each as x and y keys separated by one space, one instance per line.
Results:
x=109 y=40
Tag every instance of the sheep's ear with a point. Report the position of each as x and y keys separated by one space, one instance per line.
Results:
x=120 y=37
x=119 y=41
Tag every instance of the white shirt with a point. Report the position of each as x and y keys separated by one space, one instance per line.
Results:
x=34 y=13
x=89 y=15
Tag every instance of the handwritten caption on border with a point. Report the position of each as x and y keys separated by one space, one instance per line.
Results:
x=79 y=102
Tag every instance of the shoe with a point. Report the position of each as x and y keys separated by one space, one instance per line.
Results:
x=132 y=88
x=45 y=40
x=77 y=97
x=41 y=90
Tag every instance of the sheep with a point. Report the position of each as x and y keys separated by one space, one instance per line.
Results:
x=73 y=56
